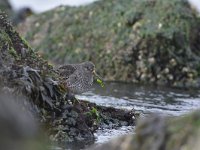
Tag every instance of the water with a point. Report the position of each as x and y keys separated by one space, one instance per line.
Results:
x=145 y=99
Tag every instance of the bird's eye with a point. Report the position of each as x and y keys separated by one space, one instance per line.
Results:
x=89 y=68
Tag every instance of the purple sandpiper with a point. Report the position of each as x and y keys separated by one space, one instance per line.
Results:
x=78 y=77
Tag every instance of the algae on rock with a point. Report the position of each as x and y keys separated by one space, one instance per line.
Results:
x=129 y=40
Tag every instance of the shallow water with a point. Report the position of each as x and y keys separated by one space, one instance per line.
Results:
x=145 y=99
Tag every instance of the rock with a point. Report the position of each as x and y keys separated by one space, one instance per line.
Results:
x=156 y=133
x=25 y=73
x=18 y=125
x=118 y=35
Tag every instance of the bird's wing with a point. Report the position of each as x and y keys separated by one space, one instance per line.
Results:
x=73 y=80
x=66 y=70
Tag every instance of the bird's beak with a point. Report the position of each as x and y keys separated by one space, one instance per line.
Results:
x=94 y=72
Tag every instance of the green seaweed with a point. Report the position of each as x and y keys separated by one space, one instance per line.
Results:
x=100 y=82
x=94 y=113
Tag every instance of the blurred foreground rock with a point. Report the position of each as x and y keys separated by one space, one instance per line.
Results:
x=147 y=41
x=18 y=126
x=158 y=133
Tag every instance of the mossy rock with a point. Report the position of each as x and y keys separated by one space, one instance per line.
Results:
x=156 y=133
x=129 y=40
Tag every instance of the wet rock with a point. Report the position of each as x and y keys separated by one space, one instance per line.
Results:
x=73 y=114
x=140 y=41
x=156 y=133
x=72 y=132
x=71 y=121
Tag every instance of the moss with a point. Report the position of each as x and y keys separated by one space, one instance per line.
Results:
x=13 y=53
x=94 y=114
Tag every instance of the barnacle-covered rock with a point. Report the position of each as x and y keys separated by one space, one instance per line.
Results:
x=128 y=40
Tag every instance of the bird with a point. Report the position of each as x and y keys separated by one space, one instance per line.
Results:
x=78 y=78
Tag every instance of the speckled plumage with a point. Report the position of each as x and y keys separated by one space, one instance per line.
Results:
x=78 y=77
